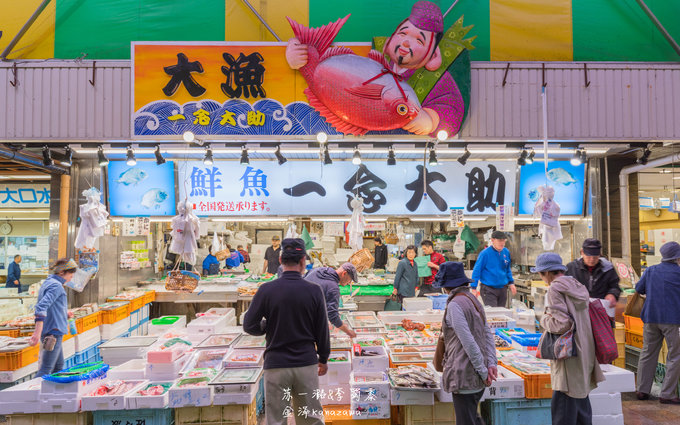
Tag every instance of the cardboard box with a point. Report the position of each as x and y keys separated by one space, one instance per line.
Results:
x=378 y=363
x=407 y=398
x=606 y=404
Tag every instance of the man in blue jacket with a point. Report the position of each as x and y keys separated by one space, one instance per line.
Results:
x=661 y=317
x=330 y=281
x=14 y=274
x=492 y=272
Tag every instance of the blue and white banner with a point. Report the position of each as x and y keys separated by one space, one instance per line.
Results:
x=308 y=188
x=24 y=195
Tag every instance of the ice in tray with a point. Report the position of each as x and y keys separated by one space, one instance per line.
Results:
x=370 y=341
x=206 y=359
x=243 y=358
x=193 y=382
x=338 y=358
x=116 y=387
x=237 y=376
x=201 y=373
x=249 y=341
x=168 y=351
x=220 y=340
x=340 y=343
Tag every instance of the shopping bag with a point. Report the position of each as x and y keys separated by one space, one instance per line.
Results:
x=392 y=304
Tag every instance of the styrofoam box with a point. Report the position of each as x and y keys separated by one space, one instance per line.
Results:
x=508 y=385
x=51 y=389
x=222 y=311
x=115 y=330
x=370 y=410
x=166 y=371
x=208 y=325
x=87 y=339
x=224 y=398
x=490 y=311
x=408 y=398
x=132 y=369
x=335 y=394
x=606 y=404
x=134 y=401
x=616 y=380
x=28 y=391
x=168 y=355
x=608 y=419
x=228 y=361
x=7 y=376
x=59 y=405
x=371 y=363
x=109 y=402
x=145 y=312
x=190 y=397
x=115 y=355
x=417 y=304
x=338 y=372
x=381 y=390
x=161 y=329
x=20 y=407
x=68 y=347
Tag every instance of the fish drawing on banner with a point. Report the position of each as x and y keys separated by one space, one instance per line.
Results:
x=534 y=195
x=561 y=176
x=153 y=198
x=357 y=94
x=132 y=176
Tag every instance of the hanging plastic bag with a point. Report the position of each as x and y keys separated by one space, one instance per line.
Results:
x=548 y=211
x=81 y=278
x=357 y=224
x=459 y=248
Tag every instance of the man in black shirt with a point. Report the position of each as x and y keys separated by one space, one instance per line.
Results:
x=596 y=273
x=380 y=254
x=271 y=257
x=291 y=312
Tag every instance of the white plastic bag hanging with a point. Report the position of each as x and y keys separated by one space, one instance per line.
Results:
x=93 y=220
x=216 y=245
x=459 y=248
x=186 y=229
x=292 y=232
x=357 y=224
x=548 y=211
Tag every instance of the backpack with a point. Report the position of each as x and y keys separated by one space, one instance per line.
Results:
x=606 y=350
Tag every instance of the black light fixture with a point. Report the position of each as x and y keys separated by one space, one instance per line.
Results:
x=103 y=160
x=244 y=155
x=522 y=160
x=68 y=156
x=327 y=156
x=47 y=156
x=645 y=157
x=159 y=157
x=433 y=157
x=530 y=157
x=464 y=157
x=356 y=158
x=208 y=158
x=577 y=159
x=131 y=160
x=279 y=156
x=391 y=159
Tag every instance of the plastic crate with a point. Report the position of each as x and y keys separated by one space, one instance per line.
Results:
x=80 y=418
x=438 y=414
x=503 y=333
x=223 y=415
x=149 y=297
x=536 y=386
x=143 y=416
x=634 y=339
x=11 y=332
x=633 y=324
x=439 y=302
x=109 y=317
x=17 y=359
x=527 y=343
x=632 y=358
x=517 y=412
x=88 y=322
x=134 y=304
x=89 y=355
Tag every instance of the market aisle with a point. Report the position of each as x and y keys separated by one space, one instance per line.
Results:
x=648 y=412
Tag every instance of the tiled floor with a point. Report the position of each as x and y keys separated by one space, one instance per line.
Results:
x=648 y=412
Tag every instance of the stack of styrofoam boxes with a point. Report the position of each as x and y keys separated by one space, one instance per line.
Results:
x=85 y=344
x=417 y=304
x=65 y=398
x=165 y=365
x=369 y=380
x=114 y=330
x=605 y=400
x=91 y=402
x=139 y=321
x=508 y=385
x=229 y=313
x=334 y=385
x=21 y=398
x=423 y=397
x=68 y=346
x=155 y=328
x=207 y=325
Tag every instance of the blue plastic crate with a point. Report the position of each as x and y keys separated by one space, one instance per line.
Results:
x=527 y=340
x=138 y=416
x=506 y=338
x=439 y=301
x=517 y=412
x=70 y=362
x=88 y=355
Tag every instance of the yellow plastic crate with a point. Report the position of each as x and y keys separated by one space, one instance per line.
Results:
x=17 y=359
x=135 y=303
x=633 y=324
x=91 y=321
x=109 y=317
x=49 y=419
x=440 y=414
x=223 y=415
x=634 y=339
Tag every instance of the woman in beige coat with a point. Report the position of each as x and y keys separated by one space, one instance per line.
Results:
x=572 y=378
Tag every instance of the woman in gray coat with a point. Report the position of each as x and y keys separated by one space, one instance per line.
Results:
x=406 y=278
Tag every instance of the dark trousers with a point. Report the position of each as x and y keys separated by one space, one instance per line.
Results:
x=570 y=411
x=428 y=289
x=494 y=297
x=465 y=407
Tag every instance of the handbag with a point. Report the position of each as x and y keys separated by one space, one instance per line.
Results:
x=554 y=346
x=634 y=305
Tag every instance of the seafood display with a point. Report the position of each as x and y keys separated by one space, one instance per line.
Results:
x=155 y=389
x=410 y=325
x=413 y=377
x=114 y=388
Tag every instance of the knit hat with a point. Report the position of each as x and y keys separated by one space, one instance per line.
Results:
x=548 y=262
x=427 y=16
x=451 y=275
x=670 y=251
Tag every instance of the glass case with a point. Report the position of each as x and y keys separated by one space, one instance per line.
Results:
x=34 y=251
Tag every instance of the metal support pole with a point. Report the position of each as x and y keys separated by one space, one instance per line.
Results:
x=24 y=29
x=659 y=26
x=609 y=219
x=252 y=9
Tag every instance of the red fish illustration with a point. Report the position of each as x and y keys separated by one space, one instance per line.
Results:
x=355 y=94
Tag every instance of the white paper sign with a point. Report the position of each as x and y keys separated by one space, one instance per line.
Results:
x=457 y=217
x=505 y=221
x=334 y=228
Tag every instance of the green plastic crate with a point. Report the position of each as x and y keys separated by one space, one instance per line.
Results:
x=517 y=412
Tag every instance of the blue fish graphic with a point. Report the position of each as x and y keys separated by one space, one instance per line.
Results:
x=561 y=176
x=132 y=176
x=153 y=198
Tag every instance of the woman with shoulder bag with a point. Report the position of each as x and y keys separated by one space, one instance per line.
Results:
x=406 y=277
x=567 y=309
x=466 y=353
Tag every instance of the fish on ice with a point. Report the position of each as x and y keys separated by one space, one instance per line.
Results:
x=153 y=198
x=355 y=94
x=561 y=176
x=132 y=176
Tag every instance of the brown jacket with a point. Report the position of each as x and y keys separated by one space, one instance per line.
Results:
x=575 y=376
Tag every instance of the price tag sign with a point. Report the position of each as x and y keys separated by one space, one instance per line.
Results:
x=457 y=217
x=505 y=221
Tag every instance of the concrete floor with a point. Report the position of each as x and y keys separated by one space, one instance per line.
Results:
x=648 y=412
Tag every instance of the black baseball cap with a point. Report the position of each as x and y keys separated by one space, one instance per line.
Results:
x=592 y=247
x=293 y=249
x=497 y=234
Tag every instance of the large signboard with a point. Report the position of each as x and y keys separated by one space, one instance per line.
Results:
x=568 y=181
x=265 y=188
x=144 y=189
x=24 y=195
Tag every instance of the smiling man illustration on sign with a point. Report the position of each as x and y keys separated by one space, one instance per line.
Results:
x=406 y=86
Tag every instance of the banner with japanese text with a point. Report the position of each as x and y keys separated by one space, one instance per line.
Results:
x=24 y=195
x=264 y=188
